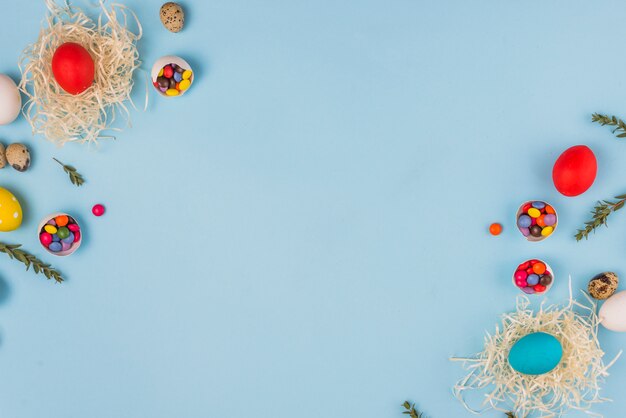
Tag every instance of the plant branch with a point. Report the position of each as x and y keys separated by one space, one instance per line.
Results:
x=600 y=214
x=75 y=177
x=620 y=125
x=14 y=252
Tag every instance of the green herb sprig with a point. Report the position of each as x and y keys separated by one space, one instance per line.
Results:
x=620 y=125
x=75 y=177
x=410 y=410
x=600 y=214
x=413 y=413
x=14 y=252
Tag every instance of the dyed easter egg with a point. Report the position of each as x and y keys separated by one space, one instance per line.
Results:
x=613 y=312
x=535 y=354
x=575 y=170
x=73 y=68
x=10 y=211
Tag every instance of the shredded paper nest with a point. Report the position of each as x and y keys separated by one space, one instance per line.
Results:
x=573 y=384
x=60 y=116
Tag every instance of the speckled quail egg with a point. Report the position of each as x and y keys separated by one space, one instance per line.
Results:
x=3 y=158
x=172 y=16
x=18 y=156
x=603 y=285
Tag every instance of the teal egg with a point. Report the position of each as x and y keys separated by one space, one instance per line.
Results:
x=536 y=353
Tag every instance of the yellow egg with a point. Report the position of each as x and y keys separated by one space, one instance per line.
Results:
x=10 y=211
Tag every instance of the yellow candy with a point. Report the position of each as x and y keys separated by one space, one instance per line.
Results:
x=160 y=73
x=51 y=229
x=10 y=211
x=547 y=231
x=184 y=85
x=534 y=212
x=171 y=92
x=187 y=74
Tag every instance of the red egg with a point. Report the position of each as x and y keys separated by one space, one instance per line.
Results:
x=73 y=68
x=575 y=170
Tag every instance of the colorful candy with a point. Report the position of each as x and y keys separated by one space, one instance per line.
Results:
x=172 y=79
x=60 y=234
x=533 y=277
x=495 y=229
x=98 y=210
x=536 y=220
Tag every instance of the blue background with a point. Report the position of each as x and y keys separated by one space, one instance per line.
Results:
x=305 y=232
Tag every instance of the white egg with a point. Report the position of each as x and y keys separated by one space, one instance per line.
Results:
x=613 y=312
x=10 y=100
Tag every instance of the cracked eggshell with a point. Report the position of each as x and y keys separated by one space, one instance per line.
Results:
x=10 y=100
x=170 y=59
x=74 y=247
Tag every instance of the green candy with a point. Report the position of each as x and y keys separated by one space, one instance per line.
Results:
x=63 y=232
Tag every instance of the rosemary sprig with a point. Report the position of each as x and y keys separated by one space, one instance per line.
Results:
x=620 y=125
x=410 y=410
x=75 y=177
x=14 y=252
x=600 y=213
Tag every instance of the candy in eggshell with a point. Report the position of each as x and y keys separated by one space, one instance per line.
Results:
x=10 y=100
x=172 y=76
x=10 y=211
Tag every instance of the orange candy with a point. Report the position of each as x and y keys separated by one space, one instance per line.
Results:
x=61 y=220
x=540 y=221
x=549 y=209
x=539 y=268
x=495 y=229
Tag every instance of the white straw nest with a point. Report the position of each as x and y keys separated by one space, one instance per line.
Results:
x=573 y=384
x=60 y=116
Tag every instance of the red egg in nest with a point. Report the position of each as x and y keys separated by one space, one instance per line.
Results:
x=575 y=170
x=73 y=68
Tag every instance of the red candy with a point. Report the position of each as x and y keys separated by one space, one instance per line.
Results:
x=45 y=238
x=539 y=288
x=168 y=71
x=98 y=209
x=76 y=236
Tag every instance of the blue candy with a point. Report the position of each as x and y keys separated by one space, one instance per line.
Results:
x=538 y=205
x=55 y=238
x=532 y=279
x=55 y=247
x=178 y=77
x=524 y=221
x=69 y=239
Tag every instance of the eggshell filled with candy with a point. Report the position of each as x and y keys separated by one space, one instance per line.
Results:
x=533 y=277
x=535 y=354
x=10 y=211
x=10 y=100
x=612 y=314
x=60 y=234
x=575 y=170
x=73 y=68
x=172 y=76
x=536 y=220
